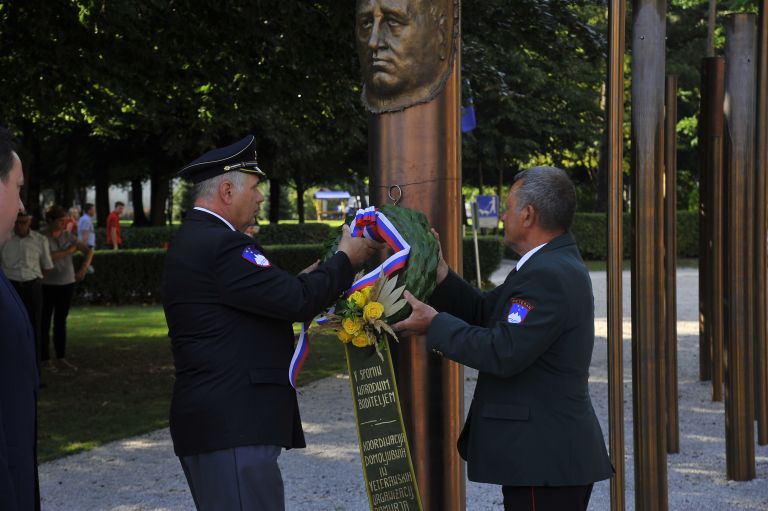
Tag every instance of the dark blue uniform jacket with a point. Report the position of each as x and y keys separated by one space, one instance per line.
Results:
x=531 y=422
x=18 y=402
x=230 y=316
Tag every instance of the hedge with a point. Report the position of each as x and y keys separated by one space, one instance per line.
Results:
x=491 y=249
x=590 y=231
x=134 y=275
x=269 y=234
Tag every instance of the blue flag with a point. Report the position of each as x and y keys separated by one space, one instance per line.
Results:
x=468 y=120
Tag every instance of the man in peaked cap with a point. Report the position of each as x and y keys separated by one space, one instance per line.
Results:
x=230 y=312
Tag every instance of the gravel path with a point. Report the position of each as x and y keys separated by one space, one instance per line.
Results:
x=142 y=474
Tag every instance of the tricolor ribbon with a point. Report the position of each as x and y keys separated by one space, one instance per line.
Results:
x=372 y=224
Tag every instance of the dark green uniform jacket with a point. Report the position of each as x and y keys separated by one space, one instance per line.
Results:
x=531 y=421
x=230 y=315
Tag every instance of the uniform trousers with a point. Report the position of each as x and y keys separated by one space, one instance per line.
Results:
x=31 y=293
x=546 y=498
x=242 y=478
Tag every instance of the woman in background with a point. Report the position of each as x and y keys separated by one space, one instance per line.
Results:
x=59 y=285
x=70 y=222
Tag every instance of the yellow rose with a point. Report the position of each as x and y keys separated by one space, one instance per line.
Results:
x=361 y=340
x=343 y=336
x=367 y=293
x=359 y=298
x=352 y=325
x=372 y=311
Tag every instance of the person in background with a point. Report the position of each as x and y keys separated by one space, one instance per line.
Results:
x=252 y=230
x=85 y=231
x=70 y=224
x=113 y=226
x=59 y=285
x=19 y=489
x=25 y=258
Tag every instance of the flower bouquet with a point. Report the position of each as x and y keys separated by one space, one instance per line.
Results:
x=361 y=318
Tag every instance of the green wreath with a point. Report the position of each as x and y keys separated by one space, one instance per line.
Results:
x=419 y=274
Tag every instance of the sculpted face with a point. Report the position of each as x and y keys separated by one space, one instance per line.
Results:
x=405 y=50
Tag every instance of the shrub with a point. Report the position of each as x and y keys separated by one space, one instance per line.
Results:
x=269 y=234
x=122 y=276
x=590 y=231
x=135 y=275
x=293 y=234
x=491 y=249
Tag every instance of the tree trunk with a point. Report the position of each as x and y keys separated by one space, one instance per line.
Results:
x=274 y=201
x=159 y=197
x=137 y=199
x=102 y=191
x=71 y=164
x=30 y=193
x=602 y=176
x=300 y=189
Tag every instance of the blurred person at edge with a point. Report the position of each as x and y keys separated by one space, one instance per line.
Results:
x=19 y=490
x=59 y=285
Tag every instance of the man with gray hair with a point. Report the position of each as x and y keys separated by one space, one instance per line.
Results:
x=531 y=427
x=18 y=366
x=230 y=313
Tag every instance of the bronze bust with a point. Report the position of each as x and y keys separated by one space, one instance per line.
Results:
x=405 y=49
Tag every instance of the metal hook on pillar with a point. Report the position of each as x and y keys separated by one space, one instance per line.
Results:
x=399 y=194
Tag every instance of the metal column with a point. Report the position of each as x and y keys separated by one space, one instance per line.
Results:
x=615 y=129
x=670 y=246
x=419 y=149
x=740 y=156
x=648 y=367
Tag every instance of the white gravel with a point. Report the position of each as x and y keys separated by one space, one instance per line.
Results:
x=142 y=473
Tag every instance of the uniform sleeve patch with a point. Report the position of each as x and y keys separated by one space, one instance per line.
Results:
x=518 y=310
x=254 y=256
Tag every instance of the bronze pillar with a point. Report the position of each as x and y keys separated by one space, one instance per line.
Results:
x=705 y=226
x=648 y=397
x=740 y=156
x=615 y=128
x=419 y=150
x=670 y=274
x=711 y=211
x=761 y=229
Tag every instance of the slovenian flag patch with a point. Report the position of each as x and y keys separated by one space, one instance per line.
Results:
x=254 y=256
x=518 y=310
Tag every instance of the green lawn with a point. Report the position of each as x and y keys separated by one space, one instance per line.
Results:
x=123 y=385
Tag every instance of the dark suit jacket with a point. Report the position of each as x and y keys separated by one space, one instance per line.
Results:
x=18 y=404
x=230 y=323
x=531 y=421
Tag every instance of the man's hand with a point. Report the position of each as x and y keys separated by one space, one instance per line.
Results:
x=358 y=250
x=80 y=275
x=442 y=266
x=312 y=267
x=419 y=320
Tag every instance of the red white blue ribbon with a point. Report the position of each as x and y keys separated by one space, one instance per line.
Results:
x=373 y=224
x=299 y=355
x=368 y=223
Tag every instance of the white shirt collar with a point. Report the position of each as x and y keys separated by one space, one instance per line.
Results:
x=527 y=256
x=216 y=215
